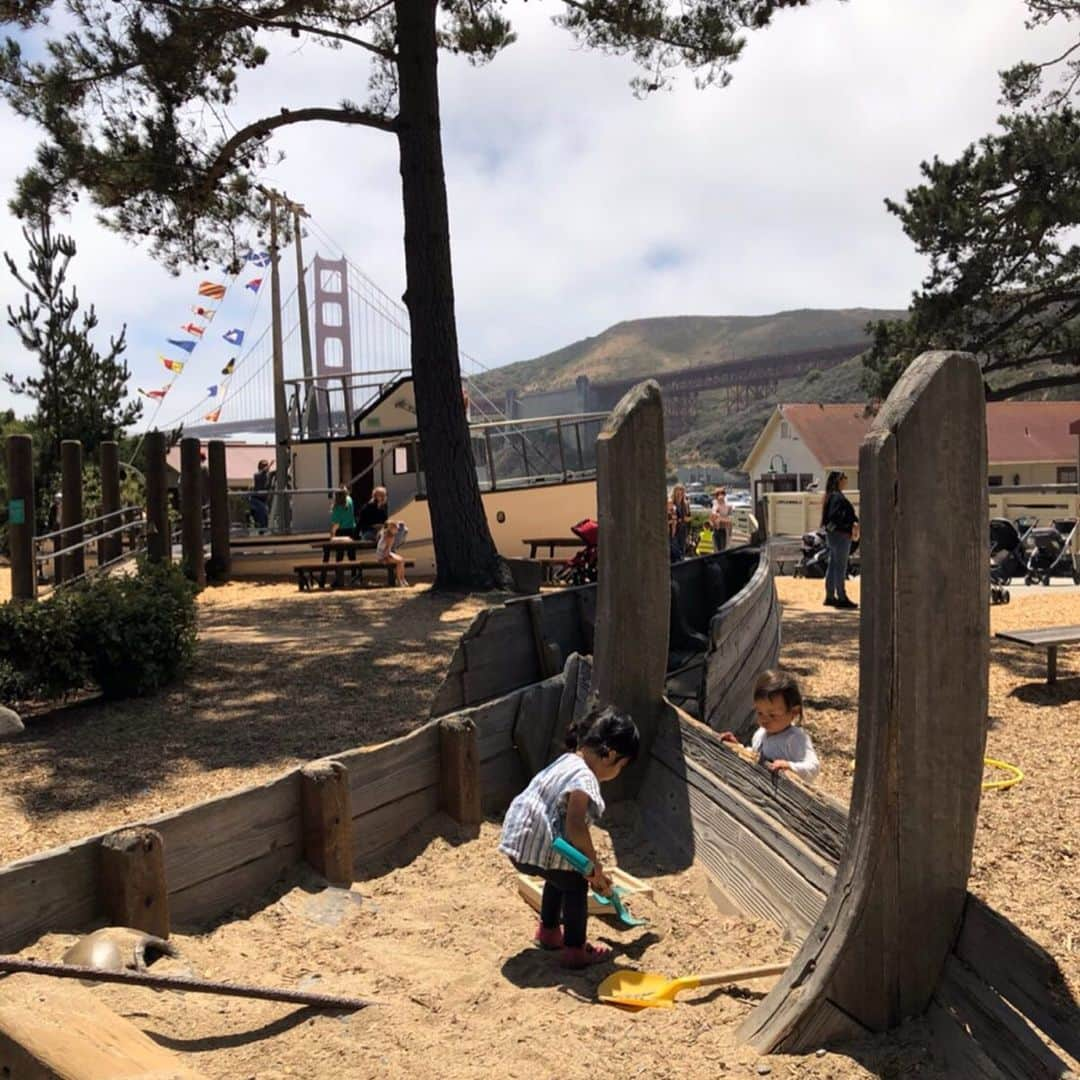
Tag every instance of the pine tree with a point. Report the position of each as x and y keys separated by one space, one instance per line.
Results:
x=79 y=392
x=124 y=98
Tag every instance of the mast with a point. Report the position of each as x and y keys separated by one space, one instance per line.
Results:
x=282 y=452
x=310 y=406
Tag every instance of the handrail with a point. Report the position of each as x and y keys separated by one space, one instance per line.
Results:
x=344 y=376
x=87 y=521
x=47 y=555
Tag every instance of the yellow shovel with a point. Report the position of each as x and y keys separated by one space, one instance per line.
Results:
x=642 y=990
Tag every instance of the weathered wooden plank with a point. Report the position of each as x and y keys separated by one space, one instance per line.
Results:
x=326 y=810
x=745 y=868
x=501 y=778
x=537 y=717
x=377 y=831
x=818 y=820
x=385 y=772
x=206 y=840
x=1015 y=1049
x=1021 y=971
x=56 y=891
x=963 y=1056
x=494 y=722
x=131 y=880
x=506 y=643
x=204 y=901
x=49 y=1031
x=459 y=770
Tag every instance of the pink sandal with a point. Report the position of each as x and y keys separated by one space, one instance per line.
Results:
x=548 y=938
x=581 y=956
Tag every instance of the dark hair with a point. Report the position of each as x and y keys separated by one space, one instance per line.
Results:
x=833 y=482
x=777 y=683
x=603 y=730
x=339 y=497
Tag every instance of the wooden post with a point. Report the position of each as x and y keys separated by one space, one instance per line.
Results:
x=71 y=508
x=459 y=780
x=131 y=880
x=158 y=538
x=110 y=547
x=191 y=525
x=21 y=512
x=327 y=817
x=220 y=555
x=878 y=950
x=634 y=583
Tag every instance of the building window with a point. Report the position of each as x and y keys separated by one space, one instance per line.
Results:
x=1066 y=474
x=404 y=459
x=994 y=481
x=785 y=430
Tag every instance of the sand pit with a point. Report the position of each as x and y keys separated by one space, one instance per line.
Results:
x=444 y=941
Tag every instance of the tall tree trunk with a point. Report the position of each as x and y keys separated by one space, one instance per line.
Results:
x=465 y=554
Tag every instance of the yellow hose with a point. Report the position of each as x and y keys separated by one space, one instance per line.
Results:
x=1001 y=785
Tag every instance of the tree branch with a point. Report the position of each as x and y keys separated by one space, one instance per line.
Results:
x=219 y=166
x=999 y=393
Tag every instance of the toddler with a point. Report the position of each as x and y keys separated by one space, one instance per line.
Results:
x=782 y=745
x=385 y=553
x=561 y=800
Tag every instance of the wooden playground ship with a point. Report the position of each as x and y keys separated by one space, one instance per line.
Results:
x=877 y=896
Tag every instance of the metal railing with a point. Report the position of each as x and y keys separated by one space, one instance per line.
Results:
x=326 y=406
x=95 y=531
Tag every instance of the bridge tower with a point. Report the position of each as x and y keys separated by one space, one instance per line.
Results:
x=333 y=330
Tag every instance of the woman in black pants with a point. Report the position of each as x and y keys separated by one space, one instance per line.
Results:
x=841 y=524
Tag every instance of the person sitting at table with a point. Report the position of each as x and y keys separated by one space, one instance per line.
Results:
x=373 y=516
x=384 y=552
x=343 y=525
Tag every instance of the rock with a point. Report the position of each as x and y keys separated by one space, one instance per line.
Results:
x=764 y=1070
x=10 y=724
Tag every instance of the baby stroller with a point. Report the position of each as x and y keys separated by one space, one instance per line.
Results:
x=815 y=556
x=1049 y=552
x=581 y=569
x=1008 y=556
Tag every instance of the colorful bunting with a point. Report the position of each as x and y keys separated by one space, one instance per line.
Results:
x=157 y=395
x=230 y=367
x=213 y=416
x=206 y=313
x=234 y=337
x=254 y=284
x=193 y=328
x=211 y=391
x=212 y=290
x=172 y=365
x=259 y=258
x=187 y=346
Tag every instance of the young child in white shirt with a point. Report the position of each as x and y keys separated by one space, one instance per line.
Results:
x=783 y=746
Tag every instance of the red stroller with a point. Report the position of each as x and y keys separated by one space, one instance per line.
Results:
x=581 y=569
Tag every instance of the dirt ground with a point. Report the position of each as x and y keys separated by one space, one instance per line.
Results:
x=442 y=937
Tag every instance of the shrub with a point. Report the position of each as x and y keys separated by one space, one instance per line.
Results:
x=129 y=634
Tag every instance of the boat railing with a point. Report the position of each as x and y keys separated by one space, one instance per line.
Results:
x=326 y=406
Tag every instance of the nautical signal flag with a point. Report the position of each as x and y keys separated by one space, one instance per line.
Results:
x=211 y=391
x=206 y=313
x=172 y=365
x=193 y=328
x=213 y=416
x=254 y=284
x=234 y=337
x=230 y=367
x=157 y=395
x=212 y=290
x=187 y=346
x=259 y=258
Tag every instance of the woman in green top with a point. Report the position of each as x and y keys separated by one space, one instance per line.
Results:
x=343 y=526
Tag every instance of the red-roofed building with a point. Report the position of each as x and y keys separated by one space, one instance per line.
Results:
x=1028 y=442
x=241 y=462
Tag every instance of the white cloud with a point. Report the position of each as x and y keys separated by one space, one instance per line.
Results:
x=564 y=189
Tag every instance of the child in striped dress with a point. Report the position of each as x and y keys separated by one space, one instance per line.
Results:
x=561 y=800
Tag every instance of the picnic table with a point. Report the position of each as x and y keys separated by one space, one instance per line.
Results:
x=1048 y=638
x=551 y=543
x=345 y=544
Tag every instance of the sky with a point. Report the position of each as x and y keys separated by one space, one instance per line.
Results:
x=574 y=205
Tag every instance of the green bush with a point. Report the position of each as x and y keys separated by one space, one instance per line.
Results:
x=129 y=634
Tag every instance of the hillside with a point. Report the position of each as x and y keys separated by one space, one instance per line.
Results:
x=644 y=346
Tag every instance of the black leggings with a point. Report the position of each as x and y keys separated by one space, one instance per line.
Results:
x=565 y=900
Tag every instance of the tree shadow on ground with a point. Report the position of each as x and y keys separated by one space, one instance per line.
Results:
x=338 y=672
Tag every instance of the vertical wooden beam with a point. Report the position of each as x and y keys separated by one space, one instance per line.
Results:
x=21 y=513
x=110 y=547
x=131 y=880
x=71 y=509
x=191 y=526
x=459 y=780
x=158 y=538
x=327 y=820
x=877 y=952
x=634 y=584
x=220 y=555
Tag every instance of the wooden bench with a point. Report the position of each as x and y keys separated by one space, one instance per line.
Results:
x=1048 y=638
x=310 y=575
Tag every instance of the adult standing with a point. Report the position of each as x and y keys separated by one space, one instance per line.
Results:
x=841 y=525
x=259 y=500
x=373 y=516
x=682 y=522
x=720 y=519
